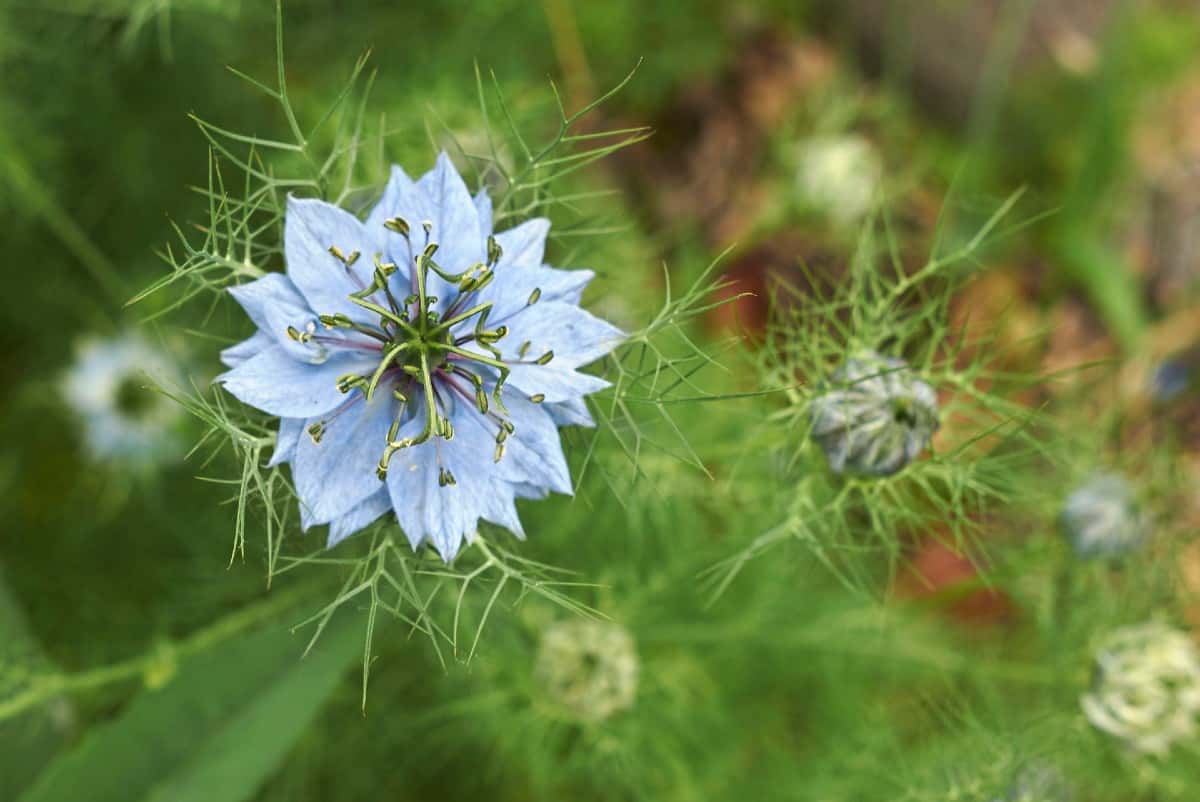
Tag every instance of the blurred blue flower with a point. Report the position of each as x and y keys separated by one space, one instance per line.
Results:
x=108 y=387
x=876 y=418
x=418 y=361
x=1101 y=517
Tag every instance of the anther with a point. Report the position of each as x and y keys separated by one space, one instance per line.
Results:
x=499 y=454
x=342 y=257
x=494 y=251
x=537 y=398
x=545 y=358
x=316 y=431
x=524 y=349
x=397 y=224
x=534 y=296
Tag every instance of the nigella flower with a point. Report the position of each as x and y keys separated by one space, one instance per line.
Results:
x=1101 y=518
x=108 y=387
x=418 y=361
x=1146 y=689
x=589 y=668
x=876 y=417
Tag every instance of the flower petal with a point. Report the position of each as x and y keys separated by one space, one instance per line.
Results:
x=456 y=227
x=570 y=412
x=338 y=472
x=404 y=199
x=361 y=516
x=235 y=355
x=535 y=447
x=446 y=515
x=483 y=207
x=513 y=287
x=310 y=229
x=558 y=384
x=286 y=439
x=523 y=246
x=274 y=304
x=276 y=383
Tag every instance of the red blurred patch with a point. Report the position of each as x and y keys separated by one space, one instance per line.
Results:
x=945 y=580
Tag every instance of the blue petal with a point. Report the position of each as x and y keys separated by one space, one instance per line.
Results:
x=534 y=447
x=404 y=199
x=337 y=473
x=362 y=515
x=571 y=412
x=557 y=383
x=235 y=355
x=483 y=207
x=274 y=304
x=448 y=515
x=310 y=228
x=523 y=245
x=286 y=439
x=511 y=290
x=456 y=227
x=425 y=509
x=576 y=336
x=275 y=383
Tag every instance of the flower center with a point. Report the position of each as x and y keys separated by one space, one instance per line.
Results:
x=421 y=356
x=132 y=399
x=904 y=412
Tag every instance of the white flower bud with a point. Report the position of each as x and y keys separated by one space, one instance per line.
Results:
x=590 y=668
x=1146 y=690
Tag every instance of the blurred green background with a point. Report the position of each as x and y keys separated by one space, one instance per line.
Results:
x=141 y=641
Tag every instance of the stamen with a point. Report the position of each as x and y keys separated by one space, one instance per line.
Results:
x=494 y=251
x=342 y=257
x=397 y=224
x=297 y=335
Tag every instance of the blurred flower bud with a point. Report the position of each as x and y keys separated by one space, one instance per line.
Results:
x=590 y=668
x=1146 y=689
x=1101 y=518
x=839 y=176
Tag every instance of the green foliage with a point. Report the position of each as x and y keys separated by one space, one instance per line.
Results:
x=210 y=726
x=798 y=633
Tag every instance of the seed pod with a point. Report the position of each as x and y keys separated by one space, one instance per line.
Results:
x=876 y=416
x=1101 y=517
x=1146 y=687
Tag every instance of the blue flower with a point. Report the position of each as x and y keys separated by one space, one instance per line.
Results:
x=108 y=387
x=418 y=361
x=1101 y=517
x=876 y=417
